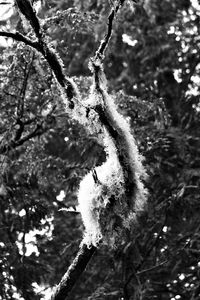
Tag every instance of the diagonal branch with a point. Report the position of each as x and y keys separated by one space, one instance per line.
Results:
x=152 y=268
x=74 y=271
x=111 y=17
x=29 y=13
x=20 y=38
x=54 y=61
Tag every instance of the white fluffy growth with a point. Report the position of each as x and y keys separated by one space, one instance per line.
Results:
x=104 y=205
x=94 y=197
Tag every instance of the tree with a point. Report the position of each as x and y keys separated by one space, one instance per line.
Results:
x=160 y=69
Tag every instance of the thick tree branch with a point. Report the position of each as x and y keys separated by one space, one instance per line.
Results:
x=29 y=13
x=49 y=54
x=84 y=255
x=120 y=141
x=20 y=38
x=73 y=273
x=104 y=116
x=118 y=138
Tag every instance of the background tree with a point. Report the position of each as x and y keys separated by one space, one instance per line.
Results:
x=152 y=65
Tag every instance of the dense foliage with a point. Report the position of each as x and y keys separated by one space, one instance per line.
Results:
x=152 y=65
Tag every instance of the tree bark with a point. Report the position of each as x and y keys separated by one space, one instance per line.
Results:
x=73 y=273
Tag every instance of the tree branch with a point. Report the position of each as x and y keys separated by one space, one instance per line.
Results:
x=85 y=254
x=107 y=120
x=22 y=94
x=28 y=11
x=73 y=273
x=152 y=268
x=49 y=54
x=20 y=106
x=107 y=37
x=20 y=38
x=40 y=128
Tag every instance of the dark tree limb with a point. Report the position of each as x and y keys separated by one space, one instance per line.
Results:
x=20 y=38
x=54 y=61
x=20 y=106
x=22 y=94
x=48 y=54
x=74 y=272
x=107 y=37
x=26 y=8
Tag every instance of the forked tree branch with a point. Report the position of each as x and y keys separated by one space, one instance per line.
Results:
x=85 y=254
x=55 y=63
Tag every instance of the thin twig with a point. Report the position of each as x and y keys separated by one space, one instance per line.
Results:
x=20 y=106
x=38 y=130
x=148 y=251
x=105 y=41
x=152 y=268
